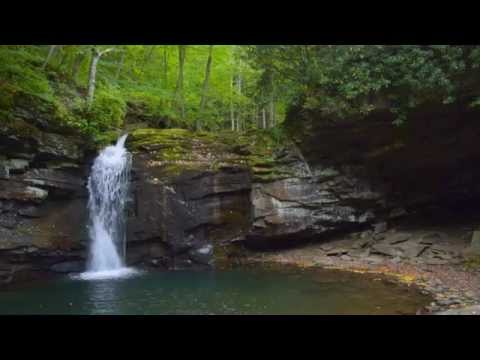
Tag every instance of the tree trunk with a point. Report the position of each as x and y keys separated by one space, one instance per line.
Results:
x=51 y=51
x=232 y=113
x=272 y=113
x=96 y=55
x=179 y=89
x=165 y=67
x=205 y=86
x=264 y=119
x=239 y=89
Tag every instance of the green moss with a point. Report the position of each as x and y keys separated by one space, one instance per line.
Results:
x=472 y=262
x=178 y=150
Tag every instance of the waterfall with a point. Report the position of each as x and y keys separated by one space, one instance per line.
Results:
x=108 y=190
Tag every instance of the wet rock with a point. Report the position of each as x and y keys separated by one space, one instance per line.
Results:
x=202 y=255
x=68 y=267
x=345 y=258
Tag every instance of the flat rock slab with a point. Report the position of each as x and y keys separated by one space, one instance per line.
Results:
x=413 y=250
x=398 y=238
x=386 y=249
x=431 y=238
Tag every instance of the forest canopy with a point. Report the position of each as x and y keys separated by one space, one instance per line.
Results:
x=213 y=87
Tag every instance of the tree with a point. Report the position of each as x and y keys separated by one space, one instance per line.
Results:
x=96 y=55
x=51 y=52
x=179 y=95
x=205 y=86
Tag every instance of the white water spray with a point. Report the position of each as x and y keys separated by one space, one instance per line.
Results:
x=108 y=190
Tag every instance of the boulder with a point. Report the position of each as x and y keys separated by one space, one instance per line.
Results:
x=202 y=255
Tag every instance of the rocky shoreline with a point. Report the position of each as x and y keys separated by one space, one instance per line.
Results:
x=437 y=266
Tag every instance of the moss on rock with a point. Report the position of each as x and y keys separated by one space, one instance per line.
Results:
x=178 y=150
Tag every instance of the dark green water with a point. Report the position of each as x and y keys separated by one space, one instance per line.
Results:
x=241 y=291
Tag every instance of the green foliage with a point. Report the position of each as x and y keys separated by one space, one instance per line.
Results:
x=343 y=80
x=245 y=82
x=108 y=109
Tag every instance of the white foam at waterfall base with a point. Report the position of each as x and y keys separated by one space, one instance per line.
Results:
x=108 y=191
x=120 y=273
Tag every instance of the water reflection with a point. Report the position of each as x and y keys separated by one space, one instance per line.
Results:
x=228 y=292
x=104 y=297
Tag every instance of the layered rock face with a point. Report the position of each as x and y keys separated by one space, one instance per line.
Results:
x=193 y=197
x=42 y=197
x=188 y=194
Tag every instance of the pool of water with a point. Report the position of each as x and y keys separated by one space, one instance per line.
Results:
x=236 y=291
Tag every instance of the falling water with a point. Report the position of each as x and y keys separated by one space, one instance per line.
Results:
x=108 y=191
